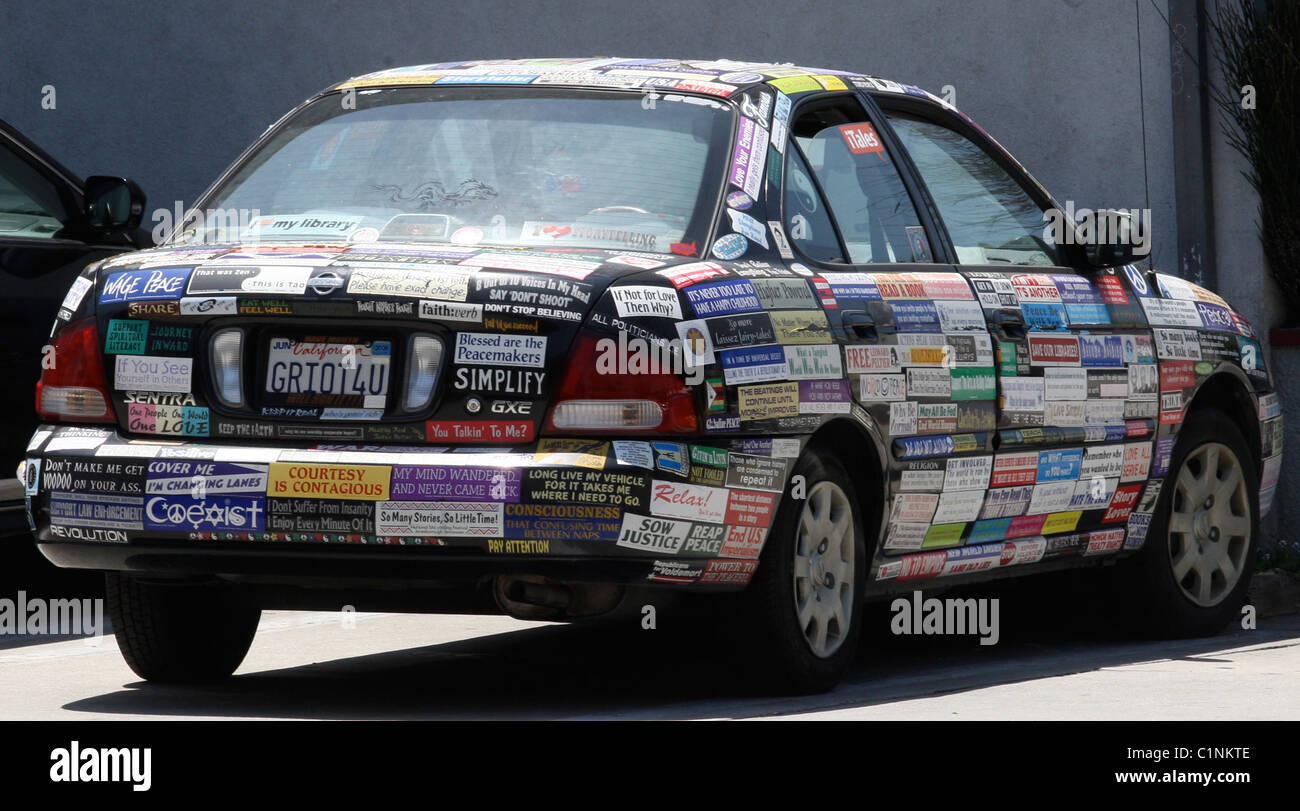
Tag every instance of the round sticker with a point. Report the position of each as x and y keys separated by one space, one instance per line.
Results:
x=731 y=246
x=801 y=269
x=696 y=342
x=740 y=77
x=1137 y=279
x=467 y=236
x=364 y=235
x=739 y=200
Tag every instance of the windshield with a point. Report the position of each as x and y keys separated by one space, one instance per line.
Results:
x=502 y=166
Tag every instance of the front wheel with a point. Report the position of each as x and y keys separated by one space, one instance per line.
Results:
x=180 y=632
x=1194 y=571
x=803 y=613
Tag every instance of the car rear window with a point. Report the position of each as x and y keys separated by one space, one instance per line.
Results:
x=599 y=170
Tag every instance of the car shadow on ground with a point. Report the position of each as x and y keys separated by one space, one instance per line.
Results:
x=682 y=669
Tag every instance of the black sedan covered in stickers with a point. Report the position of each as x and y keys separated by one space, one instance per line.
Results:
x=549 y=331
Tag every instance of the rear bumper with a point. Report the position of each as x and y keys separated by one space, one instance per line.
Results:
x=576 y=510
x=305 y=564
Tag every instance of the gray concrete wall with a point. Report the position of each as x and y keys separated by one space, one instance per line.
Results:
x=169 y=93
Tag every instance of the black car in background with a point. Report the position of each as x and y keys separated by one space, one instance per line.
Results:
x=51 y=226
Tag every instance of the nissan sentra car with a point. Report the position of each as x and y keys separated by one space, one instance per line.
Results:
x=552 y=332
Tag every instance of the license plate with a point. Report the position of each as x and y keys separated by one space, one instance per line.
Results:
x=339 y=372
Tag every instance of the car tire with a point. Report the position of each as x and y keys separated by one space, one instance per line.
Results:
x=1193 y=573
x=180 y=632
x=802 y=614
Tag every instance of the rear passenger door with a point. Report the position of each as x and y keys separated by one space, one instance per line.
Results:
x=918 y=354
x=1077 y=382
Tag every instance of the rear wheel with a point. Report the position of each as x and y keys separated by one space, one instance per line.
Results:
x=180 y=632
x=1194 y=571
x=803 y=612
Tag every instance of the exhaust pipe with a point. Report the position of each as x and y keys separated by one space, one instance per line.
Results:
x=545 y=595
x=534 y=597
x=531 y=597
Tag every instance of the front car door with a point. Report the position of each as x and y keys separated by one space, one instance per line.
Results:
x=1078 y=384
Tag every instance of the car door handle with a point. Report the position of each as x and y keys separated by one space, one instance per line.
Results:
x=1009 y=323
x=861 y=325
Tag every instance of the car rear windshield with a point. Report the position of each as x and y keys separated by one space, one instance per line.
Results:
x=502 y=166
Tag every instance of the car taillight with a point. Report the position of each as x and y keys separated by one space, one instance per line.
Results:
x=73 y=387
x=589 y=401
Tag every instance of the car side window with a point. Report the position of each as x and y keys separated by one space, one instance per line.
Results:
x=29 y=203
x=990 y=218
x=864 y=193
x=807 y=221
x=866 y=196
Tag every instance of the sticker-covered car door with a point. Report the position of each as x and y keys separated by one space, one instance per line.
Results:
x=1078 y=391
x=934 y=387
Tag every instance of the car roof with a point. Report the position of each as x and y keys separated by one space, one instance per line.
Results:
x=716 y=77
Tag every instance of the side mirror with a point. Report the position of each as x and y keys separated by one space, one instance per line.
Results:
x=1110 y=238
x=113 y=204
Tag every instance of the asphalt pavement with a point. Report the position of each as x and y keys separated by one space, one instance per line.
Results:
x=389 y=666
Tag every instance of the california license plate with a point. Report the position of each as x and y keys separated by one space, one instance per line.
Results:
x=329 y=371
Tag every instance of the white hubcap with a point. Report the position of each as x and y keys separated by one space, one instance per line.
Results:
x=823 y=568
x=1209 y=527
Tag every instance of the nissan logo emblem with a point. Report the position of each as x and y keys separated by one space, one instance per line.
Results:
x=326 y=282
